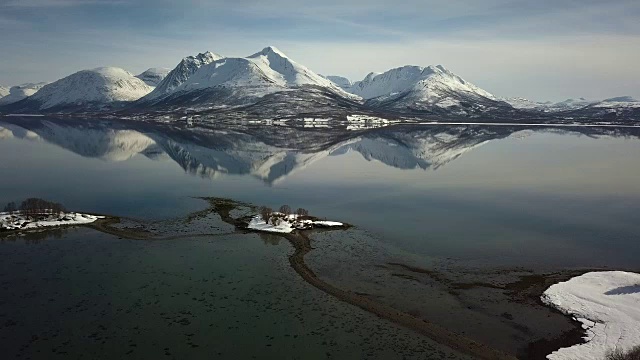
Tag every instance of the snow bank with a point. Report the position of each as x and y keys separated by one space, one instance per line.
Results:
x=288 y=223
x=19 y=221
x=257 y=223
x=327 y=223
x=608 y=306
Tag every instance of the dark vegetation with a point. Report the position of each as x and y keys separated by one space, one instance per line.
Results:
x=631 y=354
x=267 y=214
x=35 y=206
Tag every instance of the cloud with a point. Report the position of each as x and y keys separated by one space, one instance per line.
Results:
x=58 y=3
x=544 y=49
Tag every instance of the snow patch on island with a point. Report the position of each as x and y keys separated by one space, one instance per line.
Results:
x=285 y=224
x=608 y=306
x=17 y=221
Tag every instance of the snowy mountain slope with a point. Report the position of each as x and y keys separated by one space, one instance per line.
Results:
x=20 y=92
x=432 y=89
x=154 y=76
x=87 y=89
x=262 y=73
x=618 y=102
x=522 y=103
x=430 y=83
x=570 y=104
x=342 y=82
x=181 y=73
x=243 y=81
x=619 y=107
x=4 y=91
x=277 y=66
x=624 y=108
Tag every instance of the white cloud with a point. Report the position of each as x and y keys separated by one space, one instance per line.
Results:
x=541 y=50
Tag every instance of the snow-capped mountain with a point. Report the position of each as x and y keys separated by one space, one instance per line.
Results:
x=570 y=104
x=522 y=103
x=341 y=81
x=87 y=89
x=264 y=72
x=4 y=91
x=154 y=76
x=270 y=85
x=614 y=109
x=416 y=88
x=621 y=101
x=20 y=92
x=180 y=74
x=243 y=81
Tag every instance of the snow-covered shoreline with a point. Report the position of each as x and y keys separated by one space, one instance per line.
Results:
x=608 y=306
x=288 y=223
x=19 y=221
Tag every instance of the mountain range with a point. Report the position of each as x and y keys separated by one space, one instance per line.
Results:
x=19 y=92
x=270 y=84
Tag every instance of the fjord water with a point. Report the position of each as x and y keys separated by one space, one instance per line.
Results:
x=502 y=196
x=477 y=196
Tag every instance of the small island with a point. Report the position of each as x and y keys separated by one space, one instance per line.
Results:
x=35 y=213
x=285 y=221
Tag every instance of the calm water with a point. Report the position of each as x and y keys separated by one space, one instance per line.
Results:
x=488 y=195
x=471 y=195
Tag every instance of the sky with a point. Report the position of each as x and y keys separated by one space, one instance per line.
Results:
x=542 y=50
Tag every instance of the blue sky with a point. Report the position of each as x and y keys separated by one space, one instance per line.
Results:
x=543 y=50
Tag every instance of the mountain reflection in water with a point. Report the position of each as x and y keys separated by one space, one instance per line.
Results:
x=271 y=153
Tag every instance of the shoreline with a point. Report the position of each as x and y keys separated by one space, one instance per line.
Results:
x=302 y=246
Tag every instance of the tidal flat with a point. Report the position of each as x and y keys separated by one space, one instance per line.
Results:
x=353 y=272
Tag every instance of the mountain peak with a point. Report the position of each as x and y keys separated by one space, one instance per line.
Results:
x=176 y=77
x=420 y=85
x=109 y=71
x=203 y=58
x=153 y=76
x=270 y=50
x=99 y=86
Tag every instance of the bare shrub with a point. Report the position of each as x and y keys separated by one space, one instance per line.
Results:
x=631 y=354
x=265 y=213
x=35 y=206
x=302 y=212
x=285 y=209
